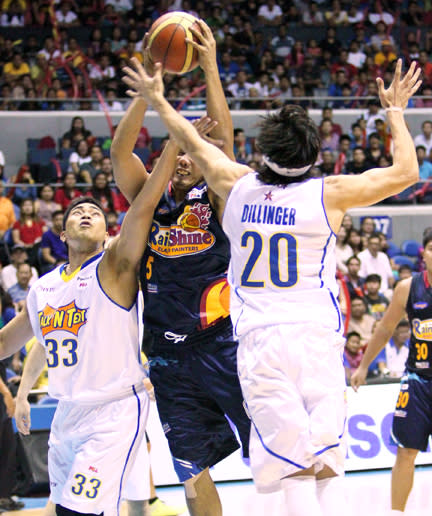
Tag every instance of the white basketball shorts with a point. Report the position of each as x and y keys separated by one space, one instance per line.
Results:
x=91 y=451
x=293 y=382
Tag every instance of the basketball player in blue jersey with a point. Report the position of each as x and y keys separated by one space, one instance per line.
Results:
x=193 y=360
x=85 y=315
x=412 y=419
x=282 y=227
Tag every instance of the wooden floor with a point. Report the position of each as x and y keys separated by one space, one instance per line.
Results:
x=367 y=493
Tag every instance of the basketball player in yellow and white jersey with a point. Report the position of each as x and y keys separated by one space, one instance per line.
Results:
x=85 y=315
x=282 y=226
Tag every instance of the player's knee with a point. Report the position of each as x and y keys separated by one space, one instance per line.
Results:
x=64 y=511
x=191 y=484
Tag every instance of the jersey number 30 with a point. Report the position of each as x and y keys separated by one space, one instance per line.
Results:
x=279 y=278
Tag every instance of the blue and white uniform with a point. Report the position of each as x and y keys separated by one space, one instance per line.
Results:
x=94 y=370
x=285 y=312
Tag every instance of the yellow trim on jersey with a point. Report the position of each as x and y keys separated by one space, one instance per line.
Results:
x=67 y=277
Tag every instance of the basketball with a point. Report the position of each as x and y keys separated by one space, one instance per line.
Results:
x=167 y=45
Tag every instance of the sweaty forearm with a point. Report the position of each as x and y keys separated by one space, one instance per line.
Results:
x=128 y=129
x=404 y=153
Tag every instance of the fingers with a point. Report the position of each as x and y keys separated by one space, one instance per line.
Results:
x=381 y=90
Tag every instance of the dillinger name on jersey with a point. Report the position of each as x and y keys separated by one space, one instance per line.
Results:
x=268 y=214
x=189 y=236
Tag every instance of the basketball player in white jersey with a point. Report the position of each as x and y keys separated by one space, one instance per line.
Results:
x=85 y=315
x=282 y=227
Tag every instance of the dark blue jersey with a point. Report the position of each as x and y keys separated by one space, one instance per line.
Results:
x=419 y=310
x=183 y=272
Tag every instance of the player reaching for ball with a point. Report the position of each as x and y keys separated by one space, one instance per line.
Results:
x=193 y=363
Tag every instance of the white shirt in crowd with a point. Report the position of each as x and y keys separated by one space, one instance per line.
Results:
x=376 y=265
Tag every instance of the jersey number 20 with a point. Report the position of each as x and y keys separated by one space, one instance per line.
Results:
x=278 y=277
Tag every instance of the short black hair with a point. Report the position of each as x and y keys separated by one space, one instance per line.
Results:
x=353 y=334
x=373 y=277
x=83 y=200
x=403 y=323
x=290 y=138
x=351 y=258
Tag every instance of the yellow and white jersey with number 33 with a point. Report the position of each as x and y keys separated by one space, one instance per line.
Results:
x=91 y=343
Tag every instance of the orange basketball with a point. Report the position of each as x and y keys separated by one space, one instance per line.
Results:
x=166 y=41
x=189 y=221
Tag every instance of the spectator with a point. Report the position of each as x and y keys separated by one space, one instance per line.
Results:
x=13 y=16
x=425 y=137
x=242 y=148
x=19 y=291
x=15 y=68
x=310 y=76
x=343 y=251
x=378 y=14
x=228 y=68
x=386 y=55
x=103 y=193
x=359 y=162
x=353 y=353
x=282 y=44
x=240 y=87
x=88 y=170
x=329 y=139
x=8 y=273
x=356 y=57
x=68 y=192
x=374 y=261
x=66 y=18
x=49 y=50
x=347 y=222
x=397 y=348
x=355 y=240
x=353 y=281
x=331 y=43
x=360 y=321
x=103 y=71
x=20 y=193
x=425 y=166
x=367 y=227
x=426 y=67
x=7 y=213
x=355 y=15
x=27 y=231
x=312 y=16
x=77 y=131
x=111 y=103
x=335 y=88
x=412 y=16
x=377 y=303
x=53 y=249
x=120 y=6
x=326 y=167
x=107 y=169
x=372 y=114
x=45 y=205
x=358 y=136
x=404 y=272
x=270 y=14
x=374 y=150
x=336 y=16
x=117 y=41
x=79 y=157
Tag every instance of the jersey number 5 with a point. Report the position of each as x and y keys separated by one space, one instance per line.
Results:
x=279 y=278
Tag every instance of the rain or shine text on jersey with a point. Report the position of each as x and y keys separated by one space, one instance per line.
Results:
x=183 y=272
x=419 y=310
x=283 y=265
x=91 y=343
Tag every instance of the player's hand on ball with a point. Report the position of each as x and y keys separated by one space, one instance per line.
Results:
x=205 y=44
x=141 y=83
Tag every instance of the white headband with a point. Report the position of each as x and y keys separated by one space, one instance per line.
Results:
x=293 y=172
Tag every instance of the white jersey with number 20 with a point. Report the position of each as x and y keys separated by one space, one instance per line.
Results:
x=283 y=264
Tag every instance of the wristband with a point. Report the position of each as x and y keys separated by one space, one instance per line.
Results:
x=394 y=108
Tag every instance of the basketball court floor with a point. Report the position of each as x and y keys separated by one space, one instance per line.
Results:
x=368 y=494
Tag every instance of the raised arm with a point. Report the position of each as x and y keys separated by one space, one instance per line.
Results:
x=344 y=192
x=129 y=171
x=384 y=330
x=15 y=334
x=33 y=367
x=217 y=106
x=220 y=172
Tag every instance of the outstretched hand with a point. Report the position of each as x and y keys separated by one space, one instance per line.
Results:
x=205 y=44
x=141 y=83
x=400 y=89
